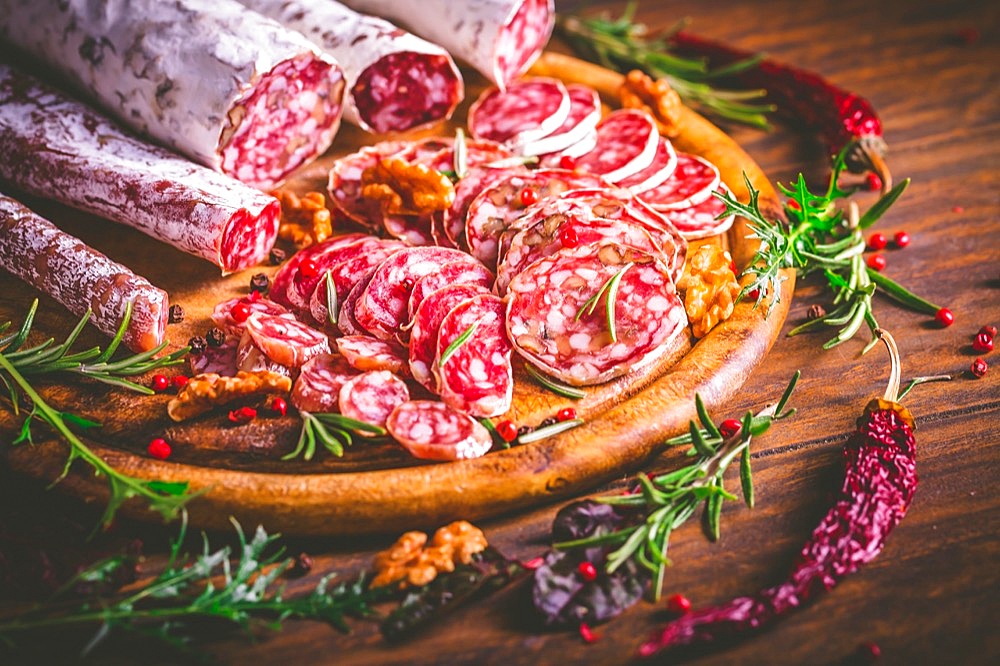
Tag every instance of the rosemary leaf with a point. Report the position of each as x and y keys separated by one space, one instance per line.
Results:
x=457 y=343
x=461 y=155
x=332 y=304
x=556 y=387
x=545 y=432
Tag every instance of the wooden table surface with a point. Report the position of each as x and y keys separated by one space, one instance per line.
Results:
x=931 y=597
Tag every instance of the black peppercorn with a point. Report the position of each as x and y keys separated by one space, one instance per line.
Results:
x=175 y=314
x=216 y=337
x=197 y=345
x=276 y=256
x=260 y=283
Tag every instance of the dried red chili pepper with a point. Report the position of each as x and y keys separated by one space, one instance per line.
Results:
x=880 y=478
x=840 y=117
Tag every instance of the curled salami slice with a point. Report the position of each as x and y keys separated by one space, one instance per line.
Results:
x=495 y=208
x=414 y=230
x=500 y=38
x=434 y=431
x=395 y=80
x=551 y=324
x=527 y=110
x=80 y=278
x=466 y=190
x=455 y=273
x=57 y=148
x=475 y=374
x=317 y=388
x=584 y=114
x=231 y=315
x=321 y=258
x=225 y=86
x=381 y=309
x=656 y=173
x=702 y=220
x=346 y=275
x=220 y=360
x=372 y=396
x=344 y=186
x=286 y=342
x=291 y=269
x=366 y=353
x=346 y=322
x=426 y=325
x=692 y=182
x=627 y=141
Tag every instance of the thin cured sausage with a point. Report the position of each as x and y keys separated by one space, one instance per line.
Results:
x=434 y=431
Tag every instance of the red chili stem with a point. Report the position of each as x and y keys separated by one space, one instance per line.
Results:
x=838 y=116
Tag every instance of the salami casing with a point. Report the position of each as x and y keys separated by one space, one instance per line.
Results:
x=703 y=219
x=526 y=110
x=584 y=114
x=396 y=81
x=317 y=388
x=223 y=85
x=80 y=278
x=426 y=325
x=372 y=396
x=57 y=148
x=500 y=38
x=434 y=431
x=664 y=163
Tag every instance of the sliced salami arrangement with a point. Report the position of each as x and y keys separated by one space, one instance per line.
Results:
x=222 y=84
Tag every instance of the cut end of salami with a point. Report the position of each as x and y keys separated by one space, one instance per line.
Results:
x=289 y=117
x=521 y=39
x=407 y=90
x=248 y=237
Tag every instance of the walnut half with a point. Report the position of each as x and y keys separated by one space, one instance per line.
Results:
x=411 y=562
x=305 y=220
x=407 y=189
x=710 y=288
x=657 y=98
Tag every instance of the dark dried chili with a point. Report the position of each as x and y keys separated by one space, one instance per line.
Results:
x=840 y=117
x=880 y=478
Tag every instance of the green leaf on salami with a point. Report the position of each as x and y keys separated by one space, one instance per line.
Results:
x=457 y=343
x=556 y=387
x=332 y=304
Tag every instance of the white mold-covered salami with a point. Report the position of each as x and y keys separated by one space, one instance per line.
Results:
x=225 y=86
x=692 y=182
x=232 y=319
x=495 y=208
x=372 y=396
x=55 y=147
x=317 y=388
x=702 y=219
x=527 y=110
x=656 y=173
x=455 y=273
x=425 y=327
x=381 y=309
x=285 y=342
x=584 y=114
x=396 y=81
x=500 y=38
x=365 y=353
x=546 y=299
x=434 y=431
x=476 y=377
x=627 y=141
x=79 y=277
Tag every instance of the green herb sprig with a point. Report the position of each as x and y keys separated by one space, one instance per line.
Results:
x=332 y=431
x=609 y=292
x=556 y=387
x=621 y=44
x=668 y=500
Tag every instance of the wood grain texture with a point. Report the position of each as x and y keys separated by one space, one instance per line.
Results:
x=930 y=598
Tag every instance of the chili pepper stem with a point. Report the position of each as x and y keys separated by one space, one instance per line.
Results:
x=870 y=151
x=892 y=389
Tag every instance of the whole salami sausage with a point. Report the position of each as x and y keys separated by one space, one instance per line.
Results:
x=396 y=81
x=57 y=148
x=225 y=86
x=500 y=38
x=434 y=431
x=62 y=266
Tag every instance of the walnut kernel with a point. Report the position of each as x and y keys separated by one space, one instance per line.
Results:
x=305 y=220
x=208 y=390
x=407 y=189
x=710 y=288
x=412 y=562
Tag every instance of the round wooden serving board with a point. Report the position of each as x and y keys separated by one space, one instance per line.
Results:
x=376 y=487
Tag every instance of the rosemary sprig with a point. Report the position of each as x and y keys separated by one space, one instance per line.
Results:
x=332 y=431
x=621 y=44
x=538 y=434
x=609 y=290
x=461 y=155
x=332 y=304
x=819 y=238
x=457 y=343
x=667 y=500
x=558 y=388
x=193 y=588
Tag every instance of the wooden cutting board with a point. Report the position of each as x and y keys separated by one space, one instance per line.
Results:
x=376 y=486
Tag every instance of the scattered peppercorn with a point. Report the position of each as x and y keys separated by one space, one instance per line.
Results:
x=989 y=330
x=567 y=414
x=260 y=283
x=216 y=337
x=159 y=449
x=279 y=406
x=944 y=317
x=179 y=381
x=524 y=430
x=243 y=415
x=197 y=345
x=276 y=256
x=979 y=367
x=816 y=311
x=730 y=427
x=302 y=565
x=678 y=603
x=587 y=571
x=877 y=241
x=159 y=383
x=901 y=238
x=175 y=314
x=240 y=312
x=568 y=236
x=873 y=182
x=507 y=431
x=983 y=343
x=877 y=262
x=547 y=422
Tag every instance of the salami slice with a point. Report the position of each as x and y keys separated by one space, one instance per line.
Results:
x=317 y=388
x=346 y=322
x=220 y=360
x=286 y=342
x=500 y=38
x=414 y=230
x=627 y=141
x=426 y=325
x=584 y=114
x=346 y=275
x=381 y=309
x=434 y=431
x=495 y=208
x=290 y=270
x=475 y=377
x=466 y=190
x=344 y=187
x=566 y=158
x=454 y=273
x=396 y=81
x=550 y=324
x=372 y=396
x=80 y=278
x=527 y=110
x=225 y=86
x=704 y=219
x=656 y=173
x=233 y=322
x=57 y=148
x=321 y=258
x=692 y=182
x=366 y=353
